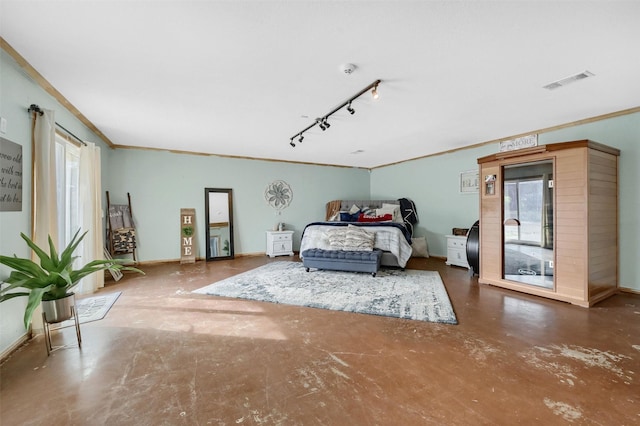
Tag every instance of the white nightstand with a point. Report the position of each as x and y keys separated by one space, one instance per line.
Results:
x=279 y=243
x=457 y=250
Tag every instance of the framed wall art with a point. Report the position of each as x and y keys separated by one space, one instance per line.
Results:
x=10 y=176
x=469 y=182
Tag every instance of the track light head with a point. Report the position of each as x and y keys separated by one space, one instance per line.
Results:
x=292 y=144
x=374 y=92
x=326 y=123
x=350 y=109
x=300 y=138
x=320 y=122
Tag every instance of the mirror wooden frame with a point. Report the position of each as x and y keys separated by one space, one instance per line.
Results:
x=216 y=211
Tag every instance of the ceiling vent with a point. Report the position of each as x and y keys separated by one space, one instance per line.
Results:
x=568 y=80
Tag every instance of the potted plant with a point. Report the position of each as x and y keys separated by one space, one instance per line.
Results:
x=53 y=280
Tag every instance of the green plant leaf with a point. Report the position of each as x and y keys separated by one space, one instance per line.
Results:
x=12 y=285
x=26 y=266
x=45 y=260
x=35 y=296
x=18 y=279
x=65 y=279
x=12 y=295
x=66 y=257
x=54 y=253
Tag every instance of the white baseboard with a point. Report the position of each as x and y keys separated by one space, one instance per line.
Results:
x=8 y=351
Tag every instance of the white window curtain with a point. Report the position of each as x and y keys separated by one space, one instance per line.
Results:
x=59 y=213
x=45 y=202
x=91 y=215
x=44 y=195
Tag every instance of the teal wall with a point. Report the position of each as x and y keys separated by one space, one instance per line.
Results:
x=432 y=182
x=161 y=183
x=17 y=92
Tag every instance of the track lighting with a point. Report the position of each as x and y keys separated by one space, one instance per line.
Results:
x=323 y=122
x=350 y=109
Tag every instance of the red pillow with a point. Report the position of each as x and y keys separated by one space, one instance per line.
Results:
x=384 y=218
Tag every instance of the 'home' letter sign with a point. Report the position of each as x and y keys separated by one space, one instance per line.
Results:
x=187 y=235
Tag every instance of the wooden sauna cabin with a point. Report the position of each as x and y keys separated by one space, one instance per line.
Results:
x=549 y=221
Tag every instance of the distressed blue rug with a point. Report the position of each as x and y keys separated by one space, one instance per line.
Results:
x=410 y=294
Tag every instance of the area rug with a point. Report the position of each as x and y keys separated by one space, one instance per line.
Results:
x=92 y=308
x=410 y=294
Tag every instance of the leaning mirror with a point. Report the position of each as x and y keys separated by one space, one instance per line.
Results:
x=218 y=210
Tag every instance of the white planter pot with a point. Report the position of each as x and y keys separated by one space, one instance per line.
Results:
x=58 y=310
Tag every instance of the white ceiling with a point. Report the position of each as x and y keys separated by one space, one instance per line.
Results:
x=241 y=78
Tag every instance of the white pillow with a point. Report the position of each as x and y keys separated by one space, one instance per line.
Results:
x=393 y=210
x=336 y=238
x=419 y=247
x=358 y=239
x=354 y=209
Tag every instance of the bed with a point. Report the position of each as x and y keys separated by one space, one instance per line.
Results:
x=391 y=221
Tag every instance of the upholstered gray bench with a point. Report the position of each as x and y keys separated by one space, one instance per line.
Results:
x=338 y=260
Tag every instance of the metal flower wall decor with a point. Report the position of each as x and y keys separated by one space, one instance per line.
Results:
x=278 y=194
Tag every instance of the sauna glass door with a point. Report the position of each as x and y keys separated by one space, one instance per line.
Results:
x=528 y=223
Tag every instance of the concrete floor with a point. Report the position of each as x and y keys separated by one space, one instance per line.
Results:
x=164 y=356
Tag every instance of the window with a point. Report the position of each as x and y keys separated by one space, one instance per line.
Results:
x=68 y=189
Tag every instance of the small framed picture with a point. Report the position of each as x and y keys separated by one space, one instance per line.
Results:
x=490 y=185
x=469 y=182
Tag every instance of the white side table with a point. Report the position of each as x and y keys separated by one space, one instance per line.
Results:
x=457 y=250
x=279 y=243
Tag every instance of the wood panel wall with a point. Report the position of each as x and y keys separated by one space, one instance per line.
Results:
x=490 y=221
x=603 y=222
x=571 y=224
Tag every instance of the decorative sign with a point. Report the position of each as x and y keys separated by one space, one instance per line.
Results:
x=10 y=176
x=278 y=194
x=519 y=143
x=469 y=182
x=187 y=235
